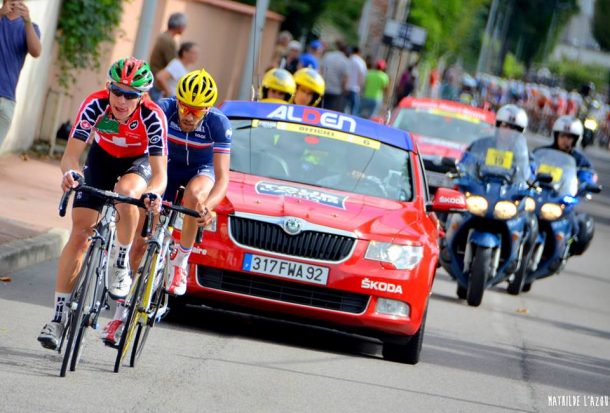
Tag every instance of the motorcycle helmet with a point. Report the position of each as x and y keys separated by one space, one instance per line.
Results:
x=513 y=117
x=280 y=80
x=311 y=79
x=569 y=125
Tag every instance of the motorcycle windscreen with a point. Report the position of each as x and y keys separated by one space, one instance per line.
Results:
x=503 y=155
x=561 y=166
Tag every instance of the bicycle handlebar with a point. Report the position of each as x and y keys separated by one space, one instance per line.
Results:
x=108 y=195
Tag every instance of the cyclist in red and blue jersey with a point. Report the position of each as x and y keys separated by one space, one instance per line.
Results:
x=199 y=140
x=127 y=133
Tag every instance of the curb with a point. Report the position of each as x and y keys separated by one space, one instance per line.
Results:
x=19 y=254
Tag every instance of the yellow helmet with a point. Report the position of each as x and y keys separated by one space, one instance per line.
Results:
x=197 y=89
x=311 y=79
x=280 y=80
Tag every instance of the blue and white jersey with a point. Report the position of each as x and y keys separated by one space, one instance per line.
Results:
x=196 y=148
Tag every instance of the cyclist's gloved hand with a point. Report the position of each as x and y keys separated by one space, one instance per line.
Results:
x=70 y=180
x=152 y=202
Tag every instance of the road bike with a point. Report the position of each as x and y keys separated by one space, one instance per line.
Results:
x=147 y=301
x=90 y=293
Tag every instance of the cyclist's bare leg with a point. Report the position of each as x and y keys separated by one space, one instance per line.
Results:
x=132 y=185
x=196 y=191
x=71 y=258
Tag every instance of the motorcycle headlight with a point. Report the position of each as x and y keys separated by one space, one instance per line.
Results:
x=505 y=210
x=530 y=204
x=403 y=257
x=477 y=205
x=591 y=124
x=551 y=211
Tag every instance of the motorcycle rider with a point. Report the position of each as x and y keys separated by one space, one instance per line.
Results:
x=567 y=133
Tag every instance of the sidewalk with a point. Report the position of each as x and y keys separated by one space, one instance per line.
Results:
x=31 y=229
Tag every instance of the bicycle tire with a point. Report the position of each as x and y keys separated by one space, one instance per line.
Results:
x=88 y=299
x=131 y=322
x=75 y=315
x=144 y=328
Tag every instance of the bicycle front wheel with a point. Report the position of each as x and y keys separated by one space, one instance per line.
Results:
x=158 y=303
x=76 y=313
x=137 y=304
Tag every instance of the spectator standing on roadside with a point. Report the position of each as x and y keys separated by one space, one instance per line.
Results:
x=376 y=85
x=167 y=78
x=334 y=69
x=18 y=37
x=355 y=81
x=406 y=84
x=281 y=47
x=311 y=58
x=290 y=61
x=166 y=49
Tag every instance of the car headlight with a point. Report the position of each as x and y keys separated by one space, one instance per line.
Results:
x=591 y=124
x=530 y=204
x=477 y=205
x=505 y=210
x=403 y=257
x=551 y=211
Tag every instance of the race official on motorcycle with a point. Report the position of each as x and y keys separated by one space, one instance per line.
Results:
x=567 y=133
x=277 y=86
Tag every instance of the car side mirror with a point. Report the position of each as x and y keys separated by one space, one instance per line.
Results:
x=593 y=188
x=449 y=162
x=544 y=178
x=448 y=200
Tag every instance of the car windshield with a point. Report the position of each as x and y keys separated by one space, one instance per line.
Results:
x=321 y=157
x=441 y=124
x=561 y=166
x=502 y=155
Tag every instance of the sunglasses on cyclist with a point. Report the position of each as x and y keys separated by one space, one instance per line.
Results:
x=196 y=112
x=128 y=94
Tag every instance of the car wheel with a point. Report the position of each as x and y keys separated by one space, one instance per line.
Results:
x=408 y=352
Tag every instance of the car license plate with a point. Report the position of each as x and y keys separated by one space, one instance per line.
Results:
x=285 y=269
x=438 y=180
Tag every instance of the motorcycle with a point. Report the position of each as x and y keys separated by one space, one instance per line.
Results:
x=555 y=203
x=485 y=245
x=589 y=131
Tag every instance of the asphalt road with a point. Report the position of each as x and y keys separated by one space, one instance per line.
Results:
x=546 y=348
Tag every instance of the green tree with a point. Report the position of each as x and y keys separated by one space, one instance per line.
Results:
x=601 y=29
x=82 y=27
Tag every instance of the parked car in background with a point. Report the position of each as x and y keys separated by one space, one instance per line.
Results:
x=327 y=221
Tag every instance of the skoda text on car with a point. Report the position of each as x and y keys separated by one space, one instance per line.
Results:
x=326 y=221
x=442 y=130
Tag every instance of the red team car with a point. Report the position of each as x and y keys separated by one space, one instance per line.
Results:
x=442 y=130
x=327 y=221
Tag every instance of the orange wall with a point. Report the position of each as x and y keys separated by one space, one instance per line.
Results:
x=221 y=29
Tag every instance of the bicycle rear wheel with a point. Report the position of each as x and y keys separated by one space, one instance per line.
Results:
x=75 y=315
x=156 y=302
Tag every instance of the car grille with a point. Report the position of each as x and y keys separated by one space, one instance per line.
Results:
x=279 y=290
x=308 y=244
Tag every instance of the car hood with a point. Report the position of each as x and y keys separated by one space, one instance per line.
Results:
x=368 y=217
x=431 y=146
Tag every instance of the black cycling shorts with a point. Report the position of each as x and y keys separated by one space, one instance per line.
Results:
x=103 y=170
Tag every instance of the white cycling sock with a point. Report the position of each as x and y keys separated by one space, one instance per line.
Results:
x=60 y=306
x=182 y=256
x=120 y=312
x=122 y=256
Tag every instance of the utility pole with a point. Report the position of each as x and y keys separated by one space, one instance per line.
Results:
x=147 y=17
x=484 y=53
x=251 y=63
